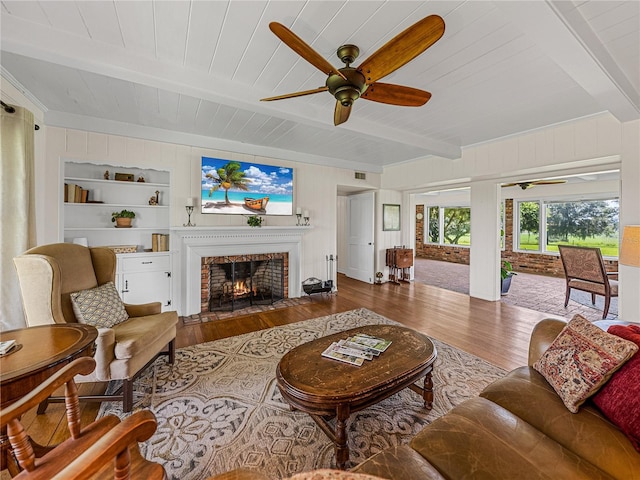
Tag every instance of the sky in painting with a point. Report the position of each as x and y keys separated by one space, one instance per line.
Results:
x=264 y=179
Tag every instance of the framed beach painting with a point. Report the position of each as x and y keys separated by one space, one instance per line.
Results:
x=390 y=217
x=245 y=188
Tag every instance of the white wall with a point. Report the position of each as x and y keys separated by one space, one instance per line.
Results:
x=315 y=185
x=388 y=239
x=587 y=145
x=630 y=215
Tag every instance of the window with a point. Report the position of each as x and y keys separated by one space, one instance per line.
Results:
x=448 y=225
x=433 y=225
x=529 y=231
x=543 y=225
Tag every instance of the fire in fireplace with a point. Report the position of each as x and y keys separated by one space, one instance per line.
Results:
x=235 y=282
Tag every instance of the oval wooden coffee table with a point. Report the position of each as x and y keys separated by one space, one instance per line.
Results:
x=326 y=388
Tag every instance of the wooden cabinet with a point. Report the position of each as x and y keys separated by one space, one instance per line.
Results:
x=91 y=219
x=145 y=277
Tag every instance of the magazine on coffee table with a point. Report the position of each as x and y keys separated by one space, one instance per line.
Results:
x=354 y=349
x=358 y=346
x=336 y=352
x=373 y=343
x=6 y=346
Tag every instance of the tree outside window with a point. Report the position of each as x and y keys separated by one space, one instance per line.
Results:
x=457 y=226
x=587 y=223
x=433 y=224
x=448 y=225
x=529 y=234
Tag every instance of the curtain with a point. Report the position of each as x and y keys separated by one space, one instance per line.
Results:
x=17 y=210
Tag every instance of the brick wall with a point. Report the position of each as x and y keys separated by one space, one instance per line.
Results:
x=538 y=263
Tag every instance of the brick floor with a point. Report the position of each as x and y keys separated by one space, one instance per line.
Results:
x=536 y=292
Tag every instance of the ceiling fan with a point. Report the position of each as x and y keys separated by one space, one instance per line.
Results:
x=347 y=84
x=525 y=185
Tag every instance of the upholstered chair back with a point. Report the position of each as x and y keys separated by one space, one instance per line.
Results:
x=584 y=263
x=50 y=273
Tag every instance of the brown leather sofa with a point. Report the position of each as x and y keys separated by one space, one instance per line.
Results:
x=518 y=428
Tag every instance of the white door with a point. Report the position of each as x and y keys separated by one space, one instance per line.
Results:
x=360 y=231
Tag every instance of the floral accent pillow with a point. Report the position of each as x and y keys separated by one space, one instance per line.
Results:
x=581 y=359
x=100 y=306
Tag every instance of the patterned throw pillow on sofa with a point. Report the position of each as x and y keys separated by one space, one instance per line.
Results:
x=100 y=306
x=581 y=359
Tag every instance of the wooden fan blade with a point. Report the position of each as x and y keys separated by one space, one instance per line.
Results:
x=396 y=95
x=299 y=46
x=296 y=94
x=402 y=48
x=341 y=113
x=548 y=182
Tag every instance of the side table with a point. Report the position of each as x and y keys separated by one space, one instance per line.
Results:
x=39 y=352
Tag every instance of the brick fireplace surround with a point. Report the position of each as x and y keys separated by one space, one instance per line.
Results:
x=205 y=285
x=192 y=244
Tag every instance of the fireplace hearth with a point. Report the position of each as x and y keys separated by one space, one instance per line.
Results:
x=233 y=282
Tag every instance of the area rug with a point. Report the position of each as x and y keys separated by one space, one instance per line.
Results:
x=218 y=407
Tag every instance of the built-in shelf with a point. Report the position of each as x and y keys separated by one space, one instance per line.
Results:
x=111 y=205
x=118 y=182
x=92 y=219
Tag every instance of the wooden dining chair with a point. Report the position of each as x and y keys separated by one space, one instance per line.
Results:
x=105 y=449
x=584 y=270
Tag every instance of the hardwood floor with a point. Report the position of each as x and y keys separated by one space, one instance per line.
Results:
x=494 y=331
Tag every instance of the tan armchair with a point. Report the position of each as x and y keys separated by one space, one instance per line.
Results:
x=50 y=273
x=584 y=270
x=105 y=449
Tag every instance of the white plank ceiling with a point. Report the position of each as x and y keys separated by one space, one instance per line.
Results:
x=193 y=72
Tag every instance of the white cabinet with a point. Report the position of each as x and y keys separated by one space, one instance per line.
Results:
x=144 y=278
x=91 y=219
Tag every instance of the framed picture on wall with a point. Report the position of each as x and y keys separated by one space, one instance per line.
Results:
x=245 y=188
x=390 y=217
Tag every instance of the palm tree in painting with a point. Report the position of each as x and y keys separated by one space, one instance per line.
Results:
x=227 y=177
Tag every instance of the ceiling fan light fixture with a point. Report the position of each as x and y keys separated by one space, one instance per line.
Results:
x=347 y=95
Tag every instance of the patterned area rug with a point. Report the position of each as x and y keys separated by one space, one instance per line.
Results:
x=218 y=407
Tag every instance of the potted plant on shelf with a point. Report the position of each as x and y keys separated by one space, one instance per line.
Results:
x=123 y=218
x=506 y=272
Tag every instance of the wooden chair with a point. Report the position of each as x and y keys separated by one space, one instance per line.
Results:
x=49 y=274
x=584 y=270
x=104 y=449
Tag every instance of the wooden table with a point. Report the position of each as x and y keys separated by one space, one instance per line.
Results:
x=399 y=260
x=41 y=351
x=326 y=388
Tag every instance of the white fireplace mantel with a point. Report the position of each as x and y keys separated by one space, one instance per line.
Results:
x=191 y=244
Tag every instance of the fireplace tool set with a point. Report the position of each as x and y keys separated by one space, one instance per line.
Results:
x=315 y=285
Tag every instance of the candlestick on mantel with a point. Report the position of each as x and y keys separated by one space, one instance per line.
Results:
x=189 y=206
